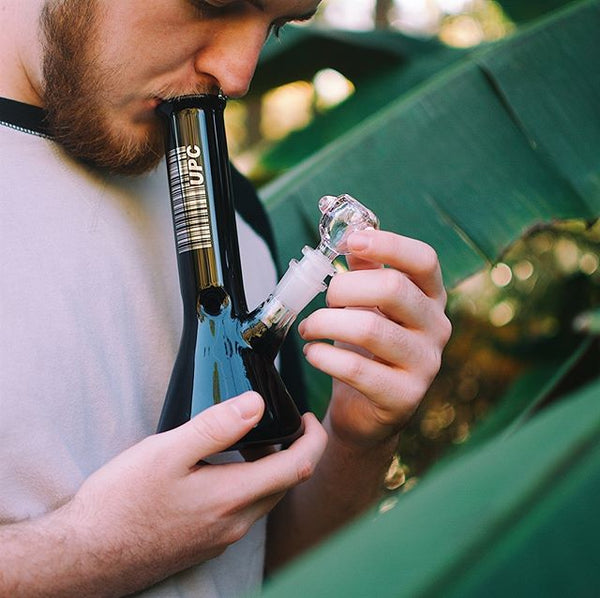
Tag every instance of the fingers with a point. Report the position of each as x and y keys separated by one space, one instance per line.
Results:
x=390 y=291
x=388 y=389
x=221 y=426
x=264 y=506
x=213 y=430
x=294 y=465
x=369 y=330
x=283 y=470
x=417 y=259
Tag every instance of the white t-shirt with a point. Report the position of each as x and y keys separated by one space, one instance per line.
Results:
x=90 y=317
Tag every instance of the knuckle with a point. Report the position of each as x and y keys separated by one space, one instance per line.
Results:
x=427 y=365
x=434 y=363
x=403 y=340
x=394 y=282
x=369 y=328
x=445 y=329
x=416 y=390
x=236 y=531
x=428 y=258
x=354 y=367
x=444 y=296
x=304 y=471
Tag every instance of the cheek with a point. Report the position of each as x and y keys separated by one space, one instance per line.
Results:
x=159 y=38
x=144 y=72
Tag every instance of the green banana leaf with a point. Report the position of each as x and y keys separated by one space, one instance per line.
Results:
x=518 y=517
x=475 y=157
x=301 y=52
x=504 y=141
x=528 y=10
x=382 y=64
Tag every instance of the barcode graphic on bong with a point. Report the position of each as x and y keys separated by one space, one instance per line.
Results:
x=191 y=216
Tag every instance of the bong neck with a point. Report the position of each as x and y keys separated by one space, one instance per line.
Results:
x=202 y=199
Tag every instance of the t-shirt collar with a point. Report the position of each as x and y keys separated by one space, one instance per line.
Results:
x=23 y=117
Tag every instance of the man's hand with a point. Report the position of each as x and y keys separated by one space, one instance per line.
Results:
x=389 y=329
x=155 y=509
x=388 y=343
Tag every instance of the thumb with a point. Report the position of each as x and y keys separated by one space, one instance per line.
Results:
x=215 y=429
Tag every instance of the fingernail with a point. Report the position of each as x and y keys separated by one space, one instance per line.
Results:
x=358 y=241
x=301 y=328
x=247 y=405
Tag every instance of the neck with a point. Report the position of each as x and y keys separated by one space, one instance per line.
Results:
x=20 y=47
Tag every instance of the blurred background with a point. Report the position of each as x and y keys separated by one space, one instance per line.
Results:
x=261 y=120
x=527 y=311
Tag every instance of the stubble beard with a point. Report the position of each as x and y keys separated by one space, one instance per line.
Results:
x=75 y=94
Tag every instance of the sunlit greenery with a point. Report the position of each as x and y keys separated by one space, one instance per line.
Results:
x=256 y=123
x=480 y=150
x=505 y=317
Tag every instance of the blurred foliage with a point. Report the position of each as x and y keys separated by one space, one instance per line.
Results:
x=499 y=326
x=517 y=517
x=520 y=10
x=469 y=159
x=491 y=156
x=363 y=70
x=410 y=51
x=402 y=64
x=517 y=316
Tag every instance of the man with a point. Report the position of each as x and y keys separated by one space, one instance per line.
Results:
x=91 y=501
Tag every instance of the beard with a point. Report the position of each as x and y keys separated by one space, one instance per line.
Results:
x=76 y=94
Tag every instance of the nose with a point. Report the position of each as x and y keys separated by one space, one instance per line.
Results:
x=231 y=57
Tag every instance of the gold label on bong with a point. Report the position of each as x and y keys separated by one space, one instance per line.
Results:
x=191 y=214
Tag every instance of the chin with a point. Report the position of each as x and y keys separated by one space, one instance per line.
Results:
x=131 y=148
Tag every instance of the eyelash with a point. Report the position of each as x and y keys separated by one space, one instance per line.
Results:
x=205 y=9
x=275 y=29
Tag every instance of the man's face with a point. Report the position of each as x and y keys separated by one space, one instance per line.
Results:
x=108 y=63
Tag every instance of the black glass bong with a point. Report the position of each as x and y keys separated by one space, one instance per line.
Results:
x=224 y=349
